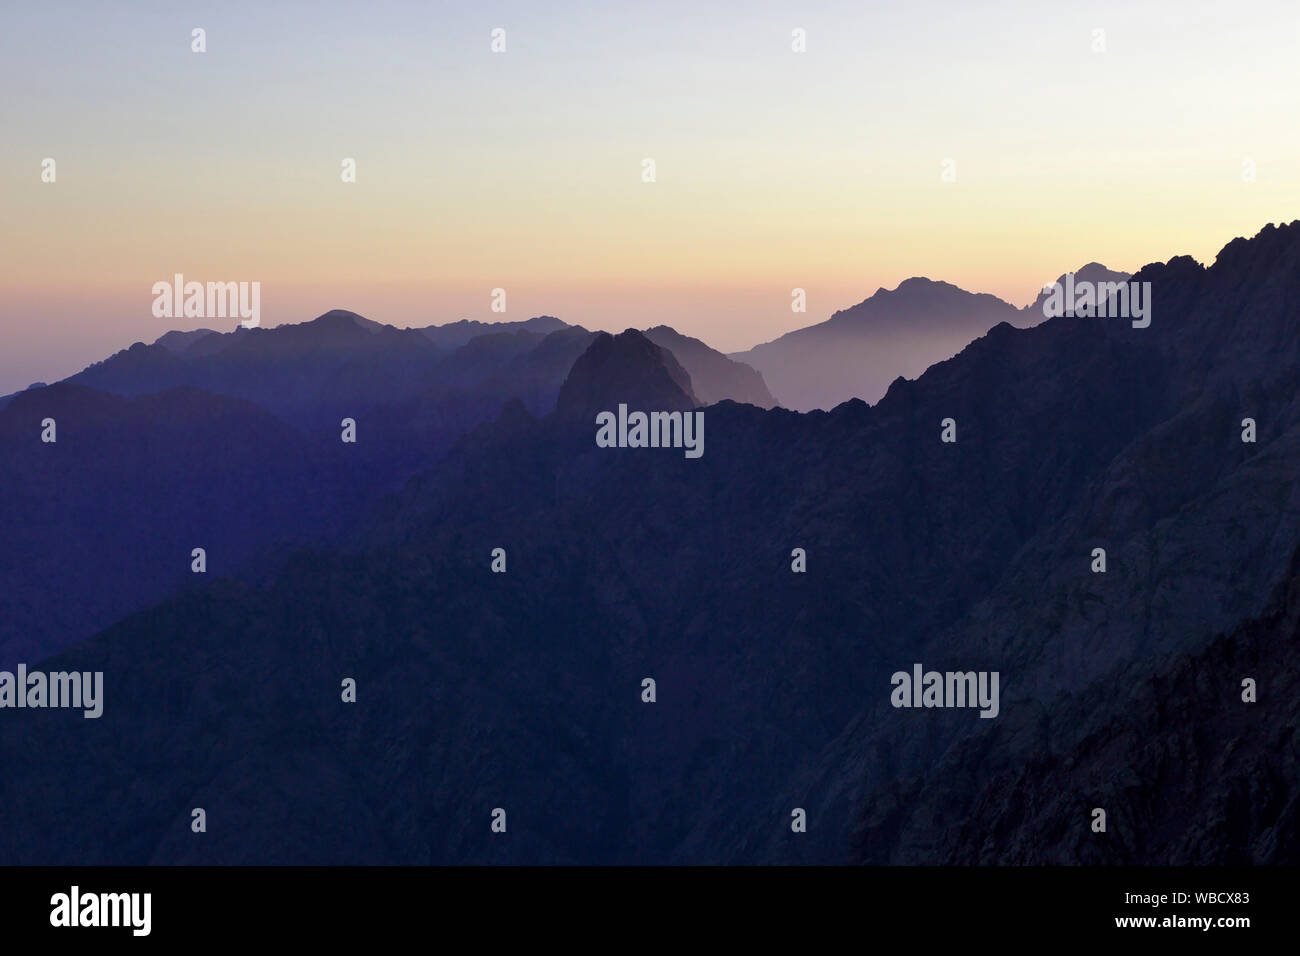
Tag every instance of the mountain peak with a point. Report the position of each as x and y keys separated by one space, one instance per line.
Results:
x=918 y=284
x=915 y=299
x=627 y=368
x=344 y=317
x=859 y=351
x=1093 y=272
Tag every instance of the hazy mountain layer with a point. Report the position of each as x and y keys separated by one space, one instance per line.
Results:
x=715 y=377
x=858 y=352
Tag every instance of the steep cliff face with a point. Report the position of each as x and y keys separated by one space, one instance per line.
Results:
x=1192 y=757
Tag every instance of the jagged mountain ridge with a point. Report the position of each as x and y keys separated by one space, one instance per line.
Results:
x=773 y=687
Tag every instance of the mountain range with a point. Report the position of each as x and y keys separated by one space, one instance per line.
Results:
x=860 y=351
x=524 y=689
x=232 y=442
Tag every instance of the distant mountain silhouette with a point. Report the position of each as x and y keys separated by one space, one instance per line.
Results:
x=342 y=364
x=6 y=399
x=410 y=399
x=178 y=342
x=455 y=334
x=307 y=373
x=1093 y=272
x=715 y=377
x=858 y=352
x=523 y=689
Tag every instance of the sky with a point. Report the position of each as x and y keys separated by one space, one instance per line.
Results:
x=524 y=170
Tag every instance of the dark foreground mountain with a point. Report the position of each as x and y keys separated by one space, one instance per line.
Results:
x=859 y=351
x=151 y=460
x=103 y=520
x=523 y=690
x=1204 y=775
